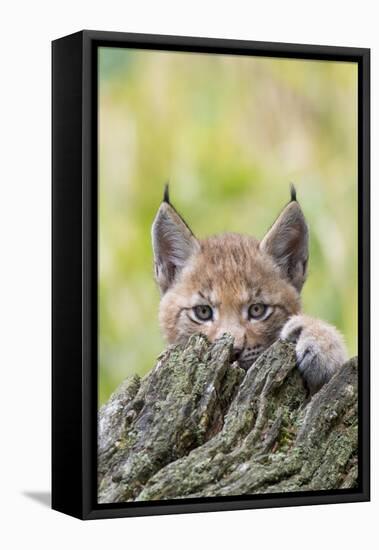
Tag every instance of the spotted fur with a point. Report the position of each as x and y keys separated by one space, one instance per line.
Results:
x=228 y=274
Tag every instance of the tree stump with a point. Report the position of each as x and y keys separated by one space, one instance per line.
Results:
x=199 y=426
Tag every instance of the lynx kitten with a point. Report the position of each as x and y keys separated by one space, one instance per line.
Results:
x=248 y=288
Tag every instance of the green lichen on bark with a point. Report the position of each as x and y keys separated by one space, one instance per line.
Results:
x=198 y=426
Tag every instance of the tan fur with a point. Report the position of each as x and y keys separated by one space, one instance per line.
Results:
x=231 y=272
x=320 y=348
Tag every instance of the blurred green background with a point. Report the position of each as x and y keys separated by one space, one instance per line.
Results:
x=229 y=133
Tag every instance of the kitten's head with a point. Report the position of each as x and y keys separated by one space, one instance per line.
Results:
x=229 y=283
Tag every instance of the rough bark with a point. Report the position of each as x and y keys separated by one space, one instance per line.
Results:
x=198 y=425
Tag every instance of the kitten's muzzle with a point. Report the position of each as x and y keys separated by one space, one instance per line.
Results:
x=236 y=354
x=247 y=357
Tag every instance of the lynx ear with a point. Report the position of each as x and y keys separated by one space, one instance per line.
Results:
x=173 y=243
x=287 y=243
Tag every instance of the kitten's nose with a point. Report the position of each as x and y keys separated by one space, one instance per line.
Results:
x=236 y=353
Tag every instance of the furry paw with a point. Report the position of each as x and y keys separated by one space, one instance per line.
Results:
x=320 y=349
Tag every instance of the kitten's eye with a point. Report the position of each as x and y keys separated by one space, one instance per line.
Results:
x=258 y=312
x=203 y=313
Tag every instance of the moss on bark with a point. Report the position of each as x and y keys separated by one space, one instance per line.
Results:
x=197 y=426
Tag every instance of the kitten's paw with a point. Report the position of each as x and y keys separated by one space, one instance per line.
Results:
x=320 y=349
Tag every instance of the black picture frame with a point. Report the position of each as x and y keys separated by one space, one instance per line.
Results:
x=74 y=271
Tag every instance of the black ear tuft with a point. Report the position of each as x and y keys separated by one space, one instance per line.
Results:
x=173 y=244
x=293 y=192
x=287 y=243
x=166 y=197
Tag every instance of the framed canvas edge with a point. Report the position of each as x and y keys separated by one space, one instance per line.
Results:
x=87 y=508
x=67 y=365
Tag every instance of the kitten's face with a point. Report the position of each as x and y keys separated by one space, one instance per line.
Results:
x=229 y=286
x=229 y=283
